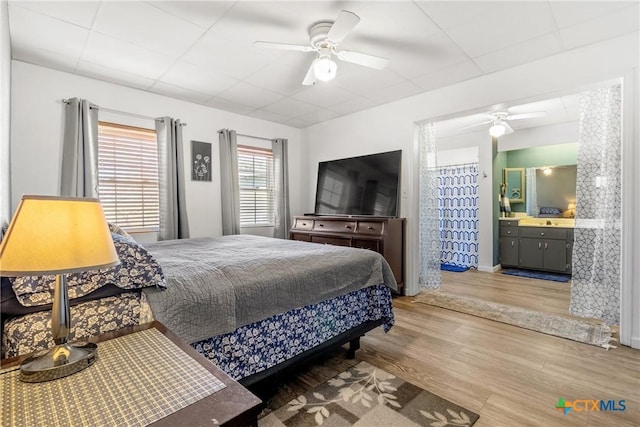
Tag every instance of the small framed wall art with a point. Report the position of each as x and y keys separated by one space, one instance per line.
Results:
x=200 y=161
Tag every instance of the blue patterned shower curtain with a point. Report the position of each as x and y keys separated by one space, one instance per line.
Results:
x=458 y=214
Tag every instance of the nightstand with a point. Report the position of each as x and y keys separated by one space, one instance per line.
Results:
x=230 y=405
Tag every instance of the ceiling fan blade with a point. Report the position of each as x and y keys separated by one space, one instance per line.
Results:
x=371 y=61
x=508 y=129
x=285 y=46
x=526 y=115
x=310 y=77
x=478 y=124
x=344 y=23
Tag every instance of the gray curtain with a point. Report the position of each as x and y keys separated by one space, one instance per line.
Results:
x=430 y=276
x=597 y=248
x=171 y=178
x=279 y=148
x=230 y=187
x=79 y=176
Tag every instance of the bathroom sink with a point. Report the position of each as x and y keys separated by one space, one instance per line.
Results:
x=547 y=222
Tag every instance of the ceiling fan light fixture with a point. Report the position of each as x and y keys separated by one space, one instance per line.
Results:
x=498 y=129
x=324 y=68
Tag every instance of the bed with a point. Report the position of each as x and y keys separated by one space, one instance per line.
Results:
x=252 y=305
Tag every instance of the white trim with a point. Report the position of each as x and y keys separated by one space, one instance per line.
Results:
x=412 y=240
x=630 y=270
x=490 y=269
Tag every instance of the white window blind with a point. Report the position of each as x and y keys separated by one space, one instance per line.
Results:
x=128 y=176
x=255 y=173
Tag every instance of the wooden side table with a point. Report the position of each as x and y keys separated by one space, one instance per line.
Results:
x=234 y=405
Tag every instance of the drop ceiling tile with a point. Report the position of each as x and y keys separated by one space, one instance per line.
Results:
x=226 y=105
x=197 y=79
x=297 y=122
x=323 y=94
x=278 y=77
x=393 y=93
x=318 y=116
x=228 y=57
x=289 y=107
x=448 y=76
x=324 y=10
x=520 y=53
x=104 y=73
x=567 y=13
x=434 y=54
x=74 y=12
x=269 y=116
x=161 y=32
x=179 y=93
x=247 y=22
x=247 y=94
x=391 y=24
x=450 y=14
x=123 y=56
x=622 y=21
x=365 y=80
x=202 y=13
x=45 y=58
x=31 y=30
x=549 y=106
x=355 y=104
x=512 y=23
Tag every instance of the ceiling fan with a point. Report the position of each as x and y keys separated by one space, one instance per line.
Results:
x=499 y=121
x=324 y=38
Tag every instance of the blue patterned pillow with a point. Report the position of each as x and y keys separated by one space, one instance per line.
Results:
x=137 y=269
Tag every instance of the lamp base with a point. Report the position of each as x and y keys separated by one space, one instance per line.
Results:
x=61 y=361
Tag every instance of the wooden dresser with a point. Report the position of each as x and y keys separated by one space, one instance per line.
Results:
x=383 y=235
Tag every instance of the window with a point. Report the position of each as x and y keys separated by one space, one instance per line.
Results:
x=255 y=173
x=128 y=176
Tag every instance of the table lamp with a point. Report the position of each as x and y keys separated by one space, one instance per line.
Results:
x=57 y=235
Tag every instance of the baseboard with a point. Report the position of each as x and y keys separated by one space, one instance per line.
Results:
x=490 y=269
x=635 y=342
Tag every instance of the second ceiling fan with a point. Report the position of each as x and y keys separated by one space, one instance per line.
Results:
x=324 y=38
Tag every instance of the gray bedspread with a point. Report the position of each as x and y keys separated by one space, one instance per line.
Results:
x=216 y=285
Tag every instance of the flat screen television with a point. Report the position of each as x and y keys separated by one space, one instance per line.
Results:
x=364 y=185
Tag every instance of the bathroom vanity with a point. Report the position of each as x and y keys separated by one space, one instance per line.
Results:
x=537 y=243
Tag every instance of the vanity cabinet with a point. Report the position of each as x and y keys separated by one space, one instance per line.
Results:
x=545 y=248
x=509 y=244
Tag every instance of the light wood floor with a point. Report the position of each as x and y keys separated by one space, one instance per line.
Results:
x=510 y=376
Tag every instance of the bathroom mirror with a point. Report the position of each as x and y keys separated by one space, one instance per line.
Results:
x=515 y=181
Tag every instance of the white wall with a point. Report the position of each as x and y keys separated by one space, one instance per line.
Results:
x=37 y=128
x=392 y=126
x=5 y=114
x=559 y=133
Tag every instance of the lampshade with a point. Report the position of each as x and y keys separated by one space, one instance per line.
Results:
x=498 y=129
x=55 y=235
x=324 y=68
x=571 y=206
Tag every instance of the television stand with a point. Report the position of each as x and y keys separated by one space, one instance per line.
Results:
x=381 y=234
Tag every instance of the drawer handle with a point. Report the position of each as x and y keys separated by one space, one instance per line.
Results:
x=347 y=226
x=369 y=228
x=546 y=246
x=304 y=223
x=542 y=234
x=508 y=231
x=513 y=243
x=321 y=225
x=539 y=245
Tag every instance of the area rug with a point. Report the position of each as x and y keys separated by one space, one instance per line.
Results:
x=585 y=331
x=366 y=396
x=537 y=275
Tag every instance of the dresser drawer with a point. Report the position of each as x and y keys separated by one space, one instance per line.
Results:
x=303 y=224
x=544 y=232
x=370 y=227
x=300 y=236
x=508 y=223
x=337 y=241
x=374 y=245
x=338 y=226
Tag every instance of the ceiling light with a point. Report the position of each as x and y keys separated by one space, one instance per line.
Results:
x=498 y=129
x=325 y=68
x=547 y=171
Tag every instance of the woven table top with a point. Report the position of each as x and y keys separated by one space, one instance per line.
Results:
x=136 y=380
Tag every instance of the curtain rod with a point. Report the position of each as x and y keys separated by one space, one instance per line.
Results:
x=124 y=113
x=254 y=137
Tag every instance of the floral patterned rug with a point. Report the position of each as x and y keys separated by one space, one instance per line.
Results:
x=367 y=396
